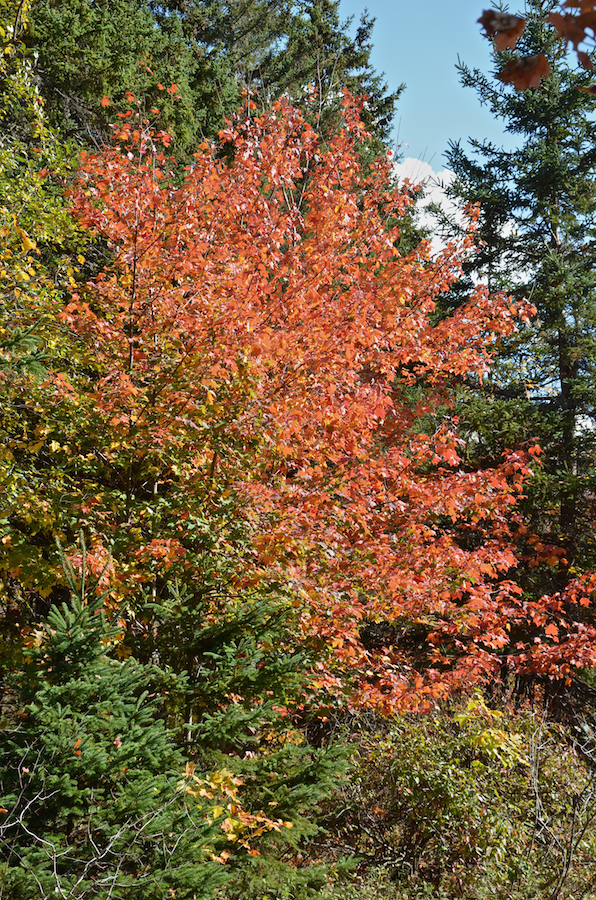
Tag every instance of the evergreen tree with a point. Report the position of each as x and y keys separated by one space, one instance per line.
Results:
x=537 y=239
x=245 y=704
x=319 y=54
x=92 y=53
x=90 y=775
x=88 y=53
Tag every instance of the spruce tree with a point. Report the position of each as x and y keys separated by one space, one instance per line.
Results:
x=320 y=55
x=123 y=777
x=90 y=53
x=537 y=239
x=90 y=775
x=245 y=703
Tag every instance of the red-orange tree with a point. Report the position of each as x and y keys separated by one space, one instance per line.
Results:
x=260 y=401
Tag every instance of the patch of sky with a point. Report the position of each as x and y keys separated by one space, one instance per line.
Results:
x=419 y=44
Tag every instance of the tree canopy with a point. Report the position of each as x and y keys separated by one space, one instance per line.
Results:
x=255 y=548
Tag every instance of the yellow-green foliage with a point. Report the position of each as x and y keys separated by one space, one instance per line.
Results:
x=39 y=243
x=473 y=802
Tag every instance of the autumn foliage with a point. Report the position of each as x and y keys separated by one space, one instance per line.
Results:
x=502 y=27
x=239 y=512
x=260 y=378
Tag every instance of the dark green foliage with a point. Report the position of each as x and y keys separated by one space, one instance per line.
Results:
x=87 y=51
x=246 y=701
x=212 y=52
x=537 y=239
x=241 y=661
x=90 y=776
x=95 y=748
x=296 y=781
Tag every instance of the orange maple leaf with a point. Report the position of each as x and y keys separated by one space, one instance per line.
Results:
x=572 y=28
x=503 y=27
x=526 y=72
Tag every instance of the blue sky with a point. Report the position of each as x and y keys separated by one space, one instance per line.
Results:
x=418 y=42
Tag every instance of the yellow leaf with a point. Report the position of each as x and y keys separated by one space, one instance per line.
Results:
x=27 y=242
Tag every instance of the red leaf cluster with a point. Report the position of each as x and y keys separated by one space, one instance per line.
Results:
x=571 y=27
x=574 y=27
x=526 y=72
x=503 y=27
x=259 y=329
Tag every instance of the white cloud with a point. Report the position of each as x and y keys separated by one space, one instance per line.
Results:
x=435 y=185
